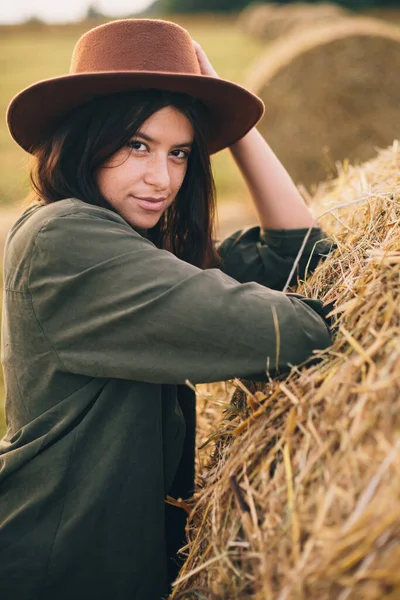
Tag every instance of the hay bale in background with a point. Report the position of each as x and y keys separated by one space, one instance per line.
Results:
x=330 y=94
x=253 y=19
x=270 y=22
x=302 y=497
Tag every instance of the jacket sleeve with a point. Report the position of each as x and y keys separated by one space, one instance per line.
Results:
x=266 y=256
x=111 y=304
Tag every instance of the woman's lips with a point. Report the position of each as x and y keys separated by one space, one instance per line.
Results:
x=150 y=203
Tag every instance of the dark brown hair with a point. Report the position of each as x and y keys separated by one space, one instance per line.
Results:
x=66 y=163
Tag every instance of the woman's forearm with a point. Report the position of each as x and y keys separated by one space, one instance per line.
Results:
x=278 y=202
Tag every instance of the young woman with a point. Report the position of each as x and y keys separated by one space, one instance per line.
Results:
x=115 y=296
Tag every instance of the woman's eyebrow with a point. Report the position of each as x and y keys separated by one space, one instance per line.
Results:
x=150 y=139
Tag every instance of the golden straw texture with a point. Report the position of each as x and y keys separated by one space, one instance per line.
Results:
x=330 y=93
x=299 y=497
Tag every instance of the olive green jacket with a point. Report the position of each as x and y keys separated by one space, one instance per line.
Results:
x=100 y=332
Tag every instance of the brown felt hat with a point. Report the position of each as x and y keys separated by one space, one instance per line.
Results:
x=125 y=55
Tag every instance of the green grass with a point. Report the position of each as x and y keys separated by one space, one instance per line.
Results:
x=29 y=54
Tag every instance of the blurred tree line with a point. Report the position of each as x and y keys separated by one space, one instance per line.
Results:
x=188 y=6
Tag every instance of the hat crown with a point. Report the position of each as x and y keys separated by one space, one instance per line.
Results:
x=136 y=45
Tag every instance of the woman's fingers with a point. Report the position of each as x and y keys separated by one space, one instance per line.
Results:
x=206 y=67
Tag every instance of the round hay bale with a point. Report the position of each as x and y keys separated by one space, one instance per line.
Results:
x=300 y=498
x=292 y=18
x=252 y=19
x=330 y=94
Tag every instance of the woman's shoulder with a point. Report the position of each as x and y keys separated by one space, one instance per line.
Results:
x=37 y=214
x=62 y=215
x=62 y=228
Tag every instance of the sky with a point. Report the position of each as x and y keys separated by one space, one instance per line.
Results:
x=56 y=11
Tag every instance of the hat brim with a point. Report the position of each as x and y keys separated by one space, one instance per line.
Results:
x=36 y=111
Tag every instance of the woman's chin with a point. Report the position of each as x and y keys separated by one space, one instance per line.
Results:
x=142 y=222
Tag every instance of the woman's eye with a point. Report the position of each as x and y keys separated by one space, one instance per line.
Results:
x=136 y=145
x=180 y=153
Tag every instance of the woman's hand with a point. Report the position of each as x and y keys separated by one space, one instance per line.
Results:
x=206 y=67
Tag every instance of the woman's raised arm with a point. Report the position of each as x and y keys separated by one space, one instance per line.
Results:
x=278 y=202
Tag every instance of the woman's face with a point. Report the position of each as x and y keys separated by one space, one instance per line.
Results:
x=142 y=179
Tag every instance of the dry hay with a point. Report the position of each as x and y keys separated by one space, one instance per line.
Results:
x=301 y=497
x=253 y=19
x=271 y=22
x=330 y=94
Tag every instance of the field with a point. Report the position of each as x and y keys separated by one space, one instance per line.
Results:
x=29 y=54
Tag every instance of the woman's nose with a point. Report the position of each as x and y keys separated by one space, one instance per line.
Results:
x=157 y=172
